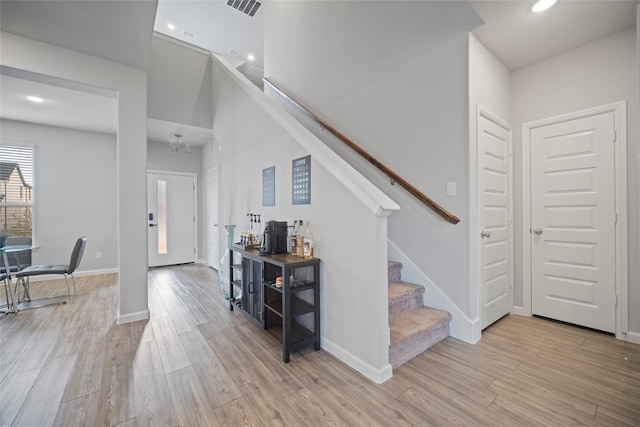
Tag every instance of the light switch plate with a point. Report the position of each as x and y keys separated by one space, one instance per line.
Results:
x=451 y=188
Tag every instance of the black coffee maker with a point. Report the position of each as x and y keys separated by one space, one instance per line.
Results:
x=274 y=238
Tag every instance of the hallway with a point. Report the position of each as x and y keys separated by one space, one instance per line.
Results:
x=194 y=363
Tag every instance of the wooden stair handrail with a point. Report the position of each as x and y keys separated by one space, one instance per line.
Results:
x=395 y=178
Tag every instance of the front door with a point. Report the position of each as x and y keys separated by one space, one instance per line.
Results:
x=171 y=220
x=494 y=180
x=573 y=221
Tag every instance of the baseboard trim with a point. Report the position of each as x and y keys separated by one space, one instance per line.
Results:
x=202 y=261
x=520 y=311
x=633 y=337
x=132 y=317
x=76 y=274
x=377 y=375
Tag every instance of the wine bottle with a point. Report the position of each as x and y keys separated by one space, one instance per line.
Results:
x=292 y=239
x=300 y=240
x=308 y=242
x=259 y=231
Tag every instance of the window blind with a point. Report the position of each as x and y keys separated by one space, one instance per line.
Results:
x=16 y=190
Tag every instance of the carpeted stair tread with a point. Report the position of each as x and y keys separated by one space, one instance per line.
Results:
x=414 y=328
x=403 y=290
x=416 y=322
x=415 y=332
x=394 y=271
x=404 y=297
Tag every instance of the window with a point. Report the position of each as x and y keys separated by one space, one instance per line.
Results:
x=16 y=190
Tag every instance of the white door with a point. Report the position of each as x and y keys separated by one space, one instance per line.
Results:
x=212 y=218
x=573 y=221
x=494 y=181
x=171 y=220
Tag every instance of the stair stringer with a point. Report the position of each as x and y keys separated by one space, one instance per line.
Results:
x=461 y=327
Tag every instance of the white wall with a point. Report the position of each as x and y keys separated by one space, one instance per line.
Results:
x=179 y=83
x=595 y=74
x=131 y=86
x=393 y=77
x=74 y=192
x=354 y=318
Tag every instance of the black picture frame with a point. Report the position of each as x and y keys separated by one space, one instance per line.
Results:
x=301 y=181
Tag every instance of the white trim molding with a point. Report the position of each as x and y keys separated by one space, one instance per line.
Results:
x=633 y=337
x=132 y=317
x=377 y=375
x=76 y=274
x=619 y=110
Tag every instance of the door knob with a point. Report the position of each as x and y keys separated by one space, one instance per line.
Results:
x=153 y=225
x=537 y=231
x=485 y=233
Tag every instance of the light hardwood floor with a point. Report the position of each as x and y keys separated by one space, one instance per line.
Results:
x=194 y=363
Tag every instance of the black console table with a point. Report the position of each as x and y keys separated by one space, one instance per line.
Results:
x=290 y=313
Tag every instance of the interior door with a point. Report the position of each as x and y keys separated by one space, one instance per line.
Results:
x=213 y=229
x=573 y=221
x=171 y=220
x=494 y=180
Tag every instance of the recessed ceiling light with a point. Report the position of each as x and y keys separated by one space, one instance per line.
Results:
x=542 y=5
x=250 y=57
x=171 y=27
x=35 y=99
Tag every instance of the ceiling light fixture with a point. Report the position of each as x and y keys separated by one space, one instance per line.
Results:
x=178 y=146
x=542 y=5
x=171 y=27
x=250 y=57
x=35 y=99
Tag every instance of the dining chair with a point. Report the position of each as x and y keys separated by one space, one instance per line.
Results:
x=3 y=279
x=22 y=258
x=64 y=270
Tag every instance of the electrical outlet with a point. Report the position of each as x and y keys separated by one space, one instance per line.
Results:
x=98 y=255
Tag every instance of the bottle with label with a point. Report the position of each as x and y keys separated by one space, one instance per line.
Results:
x=293 y=240
x=289 y=233
x=300 y=240
x=259 y=230
x=308 y=242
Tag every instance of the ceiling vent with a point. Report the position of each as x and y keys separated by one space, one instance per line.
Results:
x=188 y=34
x=248 y=7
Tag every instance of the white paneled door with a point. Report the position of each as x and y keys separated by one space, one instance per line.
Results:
x=171 y=220
x=573 y=221
x=213 y=228
x=494 y=180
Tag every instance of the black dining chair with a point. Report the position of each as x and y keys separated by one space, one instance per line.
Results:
x=65 y=270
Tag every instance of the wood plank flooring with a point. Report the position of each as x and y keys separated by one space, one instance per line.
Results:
x=194 y=363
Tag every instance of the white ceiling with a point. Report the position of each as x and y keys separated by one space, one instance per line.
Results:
x=218 y=28
x=62 y=107
x=121 y=31
x=519 y=38
x=116 y=30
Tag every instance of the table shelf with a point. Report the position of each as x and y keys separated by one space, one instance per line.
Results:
x=266 y=304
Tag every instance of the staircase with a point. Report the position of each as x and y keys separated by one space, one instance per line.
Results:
x=414 y=327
